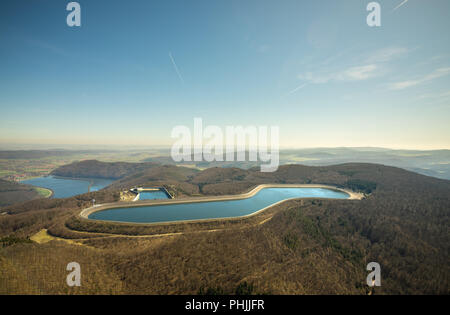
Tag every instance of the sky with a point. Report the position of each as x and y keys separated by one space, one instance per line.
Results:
x=134 y=70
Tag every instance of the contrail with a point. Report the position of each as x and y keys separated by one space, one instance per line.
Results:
x=404 y=1
x=296 y=89
x=176 y=68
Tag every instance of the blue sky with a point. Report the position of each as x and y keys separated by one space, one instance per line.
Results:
x=313 y=68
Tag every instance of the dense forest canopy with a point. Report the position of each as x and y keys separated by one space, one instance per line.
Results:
x=97 y=169
x=12 y=192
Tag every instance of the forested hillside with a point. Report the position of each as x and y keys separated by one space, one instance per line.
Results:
x=297 y=247
x=11 y=192
x=97 y=169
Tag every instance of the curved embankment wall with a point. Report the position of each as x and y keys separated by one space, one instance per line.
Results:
x=144 y=203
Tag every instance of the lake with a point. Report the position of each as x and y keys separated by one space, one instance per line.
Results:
x=214 y=209
x=67 y=187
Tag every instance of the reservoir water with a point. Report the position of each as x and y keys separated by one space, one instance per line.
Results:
x=214 y=209
x=68 y=187
x=153 y=195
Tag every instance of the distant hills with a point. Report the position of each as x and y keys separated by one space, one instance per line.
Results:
x=97 y=169
x=37 y=154
x=434 y=163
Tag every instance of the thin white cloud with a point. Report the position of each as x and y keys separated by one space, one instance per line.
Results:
x=445 y=94
x=176 y=68
x=368 y=66
x=387 y=54
x=403 y=84
x=316 y=78
x=438 y=73
x=404 y=1
x=358 y=73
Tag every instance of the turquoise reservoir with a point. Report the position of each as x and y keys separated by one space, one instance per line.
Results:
x=68 y=187
x=153 y=195
x=214 y=209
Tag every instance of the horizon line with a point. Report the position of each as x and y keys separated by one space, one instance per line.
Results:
x=69 y=147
